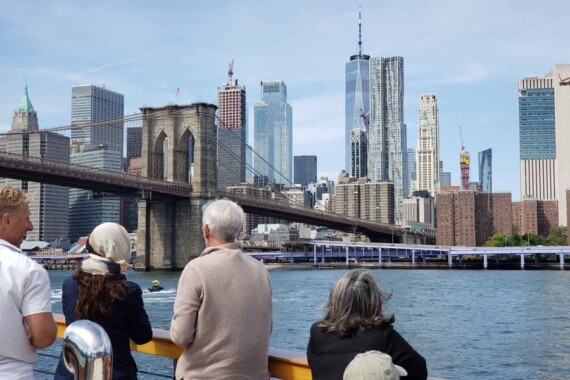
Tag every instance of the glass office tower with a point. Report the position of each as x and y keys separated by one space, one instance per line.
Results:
x=274 y=94
x=356 y=99
x=263 y=141
x=537 y=138
x=486 y=170
x=98 y=144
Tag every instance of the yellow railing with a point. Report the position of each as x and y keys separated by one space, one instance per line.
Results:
x=283 y=364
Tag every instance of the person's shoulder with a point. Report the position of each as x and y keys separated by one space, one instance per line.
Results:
x=133 y=287
x=70 y=281
x=21 y=262
x=315 y=326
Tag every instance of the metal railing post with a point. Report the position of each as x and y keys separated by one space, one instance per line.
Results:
x=87 y=351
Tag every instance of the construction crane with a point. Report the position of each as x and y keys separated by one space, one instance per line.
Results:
x=464 y=162
x=231 y=71
x=364 y=117
x=461 y=135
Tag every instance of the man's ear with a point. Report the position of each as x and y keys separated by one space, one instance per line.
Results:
x=6 y=218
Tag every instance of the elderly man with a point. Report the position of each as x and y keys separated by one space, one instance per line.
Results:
x=26 y=322
x=222 y=311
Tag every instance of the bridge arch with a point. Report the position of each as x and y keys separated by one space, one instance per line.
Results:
x=158 y=163
x=179 y=146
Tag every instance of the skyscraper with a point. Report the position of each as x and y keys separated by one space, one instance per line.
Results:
x=232 y=133
x=444 y=179
x=263 y=140
x=93 y=104
x=562 y=122
x=48 y=206
x=387 y=141
x=274 y=94
x=305 y=170
x=356 y=96
x=427 y=163
x=358 y=152
x=86 y=210
x=98 y=144
x=134 y=142
x=486 y=170
x=412 y=177
x=537 y=138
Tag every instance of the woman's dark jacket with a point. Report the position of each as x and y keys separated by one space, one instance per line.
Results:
x=329 y=354
x=127 y=320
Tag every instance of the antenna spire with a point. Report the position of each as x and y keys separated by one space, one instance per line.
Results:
x=359 y=31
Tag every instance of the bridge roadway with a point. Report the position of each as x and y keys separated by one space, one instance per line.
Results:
x=321 y=251
x=104 y=181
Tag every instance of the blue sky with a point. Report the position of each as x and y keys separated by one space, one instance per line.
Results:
x=470 y=53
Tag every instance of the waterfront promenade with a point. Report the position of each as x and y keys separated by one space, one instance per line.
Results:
x=327 y=253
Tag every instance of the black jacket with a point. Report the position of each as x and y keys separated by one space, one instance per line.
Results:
x=329 y=354
x=127 y=320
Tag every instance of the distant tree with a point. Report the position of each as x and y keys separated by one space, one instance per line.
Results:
x=498 y=240
x=532 y=240
x=514 y=241
x=558 y=236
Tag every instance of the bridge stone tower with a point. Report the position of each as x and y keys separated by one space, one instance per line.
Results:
x=179 y=145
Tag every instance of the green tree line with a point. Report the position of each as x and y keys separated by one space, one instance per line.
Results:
x=556 y=236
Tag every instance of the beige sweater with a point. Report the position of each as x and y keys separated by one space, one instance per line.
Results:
x=222 y=316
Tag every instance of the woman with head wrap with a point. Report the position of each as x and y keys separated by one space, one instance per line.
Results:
x=99 y=291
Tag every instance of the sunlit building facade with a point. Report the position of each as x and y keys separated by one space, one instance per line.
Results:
x=537 y=138
x=427 y=156
x=263 y=141
x=232 y=134
x=356 y=102
x=486 y=170
x=274 y=94
x=48 y=204
x=562 y=122
x=387 y=140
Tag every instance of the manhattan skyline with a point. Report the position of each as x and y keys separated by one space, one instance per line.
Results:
x=471 y=55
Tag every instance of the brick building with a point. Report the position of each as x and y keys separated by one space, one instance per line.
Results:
x=469 y=218
x=535 y=216
x=367 y=200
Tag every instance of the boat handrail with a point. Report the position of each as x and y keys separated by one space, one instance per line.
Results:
x=283 y=364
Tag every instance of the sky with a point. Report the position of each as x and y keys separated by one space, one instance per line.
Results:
x=470 y=53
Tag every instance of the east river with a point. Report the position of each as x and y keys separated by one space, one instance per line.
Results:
x=468 y=324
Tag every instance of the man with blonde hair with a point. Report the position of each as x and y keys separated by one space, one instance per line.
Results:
x=222 y=310
x=26 y=321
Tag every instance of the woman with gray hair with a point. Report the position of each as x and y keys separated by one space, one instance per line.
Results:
x=354 y=323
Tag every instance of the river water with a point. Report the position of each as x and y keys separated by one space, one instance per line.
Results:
x=468 y=324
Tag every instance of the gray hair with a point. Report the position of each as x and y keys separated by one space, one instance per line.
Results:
x=355 y=302
x=224 y=219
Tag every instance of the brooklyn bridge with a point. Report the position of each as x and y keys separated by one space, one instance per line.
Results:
x=170 y=199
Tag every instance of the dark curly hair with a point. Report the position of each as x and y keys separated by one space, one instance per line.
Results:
x=97 y=294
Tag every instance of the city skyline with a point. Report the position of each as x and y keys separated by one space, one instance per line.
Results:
x=473 y=67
